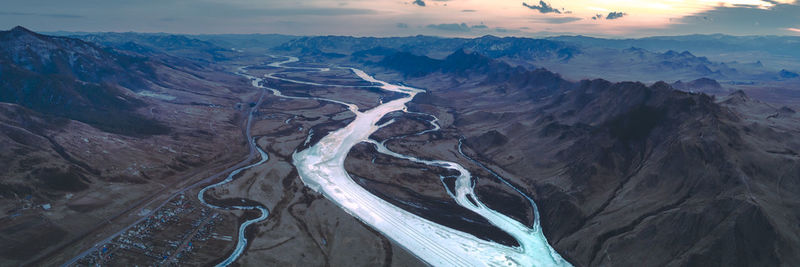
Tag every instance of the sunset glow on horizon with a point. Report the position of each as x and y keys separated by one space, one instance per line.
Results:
x=466 y=18
x=572 y=16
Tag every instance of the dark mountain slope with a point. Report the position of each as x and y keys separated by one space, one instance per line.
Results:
x=618 y=167
x=155 y=44
x=71 y=57
x=76 y=80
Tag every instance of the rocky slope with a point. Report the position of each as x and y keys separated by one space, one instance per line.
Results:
x=618 y=167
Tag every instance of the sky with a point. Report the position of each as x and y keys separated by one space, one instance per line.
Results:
x=465 y=18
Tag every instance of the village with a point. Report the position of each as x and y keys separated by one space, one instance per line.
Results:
x=182 y=232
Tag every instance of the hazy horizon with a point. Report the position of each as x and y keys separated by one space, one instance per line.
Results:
x=66 y=33
x=445 y=18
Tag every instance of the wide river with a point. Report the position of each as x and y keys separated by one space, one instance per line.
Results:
x=321 y=167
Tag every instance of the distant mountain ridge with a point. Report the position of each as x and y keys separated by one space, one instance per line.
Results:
x=178 y=45
x=575 y=60
x=696 y=42
x=578 y=57
x=436 y=47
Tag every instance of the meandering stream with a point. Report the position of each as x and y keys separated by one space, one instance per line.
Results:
x=241 y=241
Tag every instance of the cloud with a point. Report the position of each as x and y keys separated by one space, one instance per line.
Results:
x=51 y=15
x=556 y=20
x=418 y=2
x=793 y=30
x=450 y=27
x=402 y=25
x=611 y=15
x=741 y=20
x=479 y=26
x=543 y=7
x=615 y=15
x=469 y=10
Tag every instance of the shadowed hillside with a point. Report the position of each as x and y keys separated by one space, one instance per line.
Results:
x=616 y=167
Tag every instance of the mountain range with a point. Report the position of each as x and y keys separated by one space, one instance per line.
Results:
x=616 y=167
x=674 y=159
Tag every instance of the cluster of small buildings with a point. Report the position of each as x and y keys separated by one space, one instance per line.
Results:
x=154 y=240
x=24 y=204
